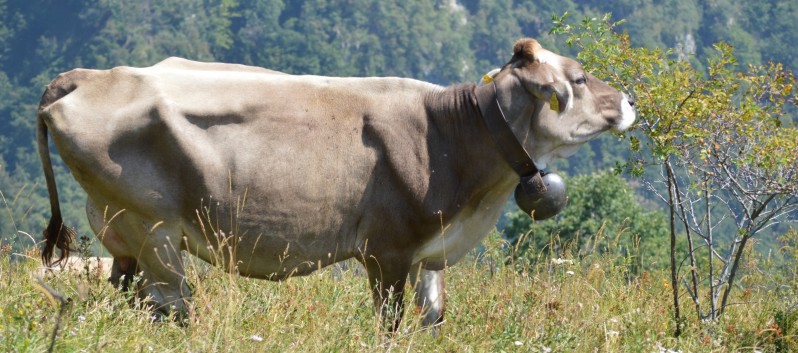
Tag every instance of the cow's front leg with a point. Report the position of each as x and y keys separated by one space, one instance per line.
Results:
x=387 y=277
x=430 y=295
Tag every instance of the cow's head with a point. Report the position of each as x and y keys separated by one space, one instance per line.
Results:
x=553 y=105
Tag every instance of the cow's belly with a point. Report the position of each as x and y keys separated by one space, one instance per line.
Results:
x=269 y=255
x=287 y=204
x=273 y=257
x=464 y=232
x=272 y=238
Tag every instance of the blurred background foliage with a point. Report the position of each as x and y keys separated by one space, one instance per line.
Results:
x=604 y=215
x=441 y=41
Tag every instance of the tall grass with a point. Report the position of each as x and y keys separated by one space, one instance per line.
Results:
x=587 y=304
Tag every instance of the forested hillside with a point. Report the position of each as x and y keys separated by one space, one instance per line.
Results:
x=443 y=41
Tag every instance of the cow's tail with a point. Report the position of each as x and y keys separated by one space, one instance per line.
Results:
x=56 y=235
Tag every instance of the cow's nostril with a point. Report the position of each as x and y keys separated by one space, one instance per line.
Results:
x=629 y=99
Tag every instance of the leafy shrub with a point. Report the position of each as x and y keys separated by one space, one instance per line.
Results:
x=603 y=215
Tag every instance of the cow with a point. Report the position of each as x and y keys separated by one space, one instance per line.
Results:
x=271 y=175
x=92 y=267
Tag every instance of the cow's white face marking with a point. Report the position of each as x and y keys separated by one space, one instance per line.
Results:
x=628 y=115
x=570 y=105
x=549 y=58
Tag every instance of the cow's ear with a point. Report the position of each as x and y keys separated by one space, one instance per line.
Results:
x=539 y=82
x=526 y=49
x=488 y=77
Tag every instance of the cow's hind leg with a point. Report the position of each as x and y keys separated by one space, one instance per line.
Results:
x=151 y=246
x=123 y=272
x=430 y=295
x=124 y=267
x=387 y=278
x=164 y=282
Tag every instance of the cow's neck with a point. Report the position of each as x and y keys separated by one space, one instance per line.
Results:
x=472 y=165
x=496 y=122
x=469 y=180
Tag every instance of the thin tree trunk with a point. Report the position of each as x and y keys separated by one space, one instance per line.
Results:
x=713 y=299
x=693 y=270
x=674 y=275
x=738 y=254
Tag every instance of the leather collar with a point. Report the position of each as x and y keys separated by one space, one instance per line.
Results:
x=509 y=146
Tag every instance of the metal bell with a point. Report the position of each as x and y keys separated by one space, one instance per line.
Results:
x=541 y=195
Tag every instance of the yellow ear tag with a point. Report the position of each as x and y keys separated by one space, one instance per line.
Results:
x=487 y=79
x=554 y=103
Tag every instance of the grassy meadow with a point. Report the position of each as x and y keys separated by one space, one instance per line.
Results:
x=561 y=303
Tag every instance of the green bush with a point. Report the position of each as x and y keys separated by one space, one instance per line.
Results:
x=603 y=215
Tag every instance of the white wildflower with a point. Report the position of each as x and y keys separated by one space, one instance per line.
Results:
x=256 y=338
x=661 y=349
x=560 y=261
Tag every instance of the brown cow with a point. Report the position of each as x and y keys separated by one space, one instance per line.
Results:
x=276 y=175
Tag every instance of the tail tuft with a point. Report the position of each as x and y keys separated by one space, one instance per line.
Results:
x=57 y=235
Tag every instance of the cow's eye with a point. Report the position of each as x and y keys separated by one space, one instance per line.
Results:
x=581 y=80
